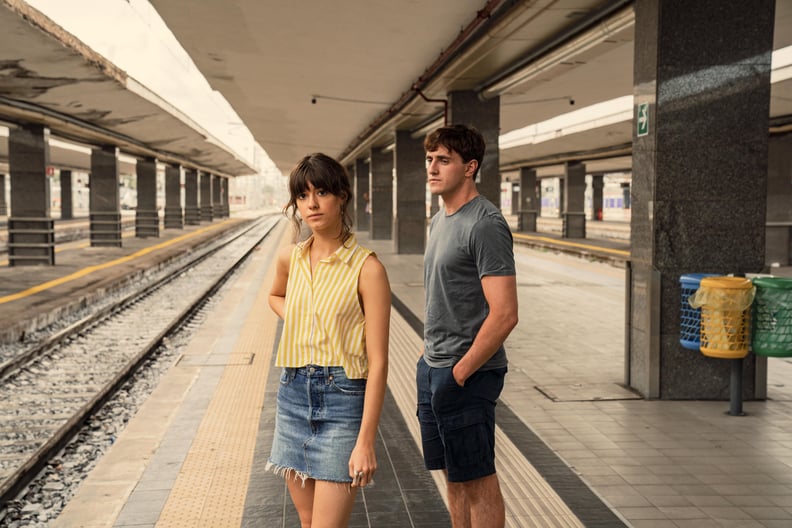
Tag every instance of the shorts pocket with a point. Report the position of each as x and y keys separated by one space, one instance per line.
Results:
x=466 y=438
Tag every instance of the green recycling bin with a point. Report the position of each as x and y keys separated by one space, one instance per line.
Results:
x=772 y=317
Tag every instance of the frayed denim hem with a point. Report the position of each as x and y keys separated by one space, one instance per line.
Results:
x=286 y=472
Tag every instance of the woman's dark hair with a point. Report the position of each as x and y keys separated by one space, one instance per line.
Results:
x=322 y=172
x=465 y=140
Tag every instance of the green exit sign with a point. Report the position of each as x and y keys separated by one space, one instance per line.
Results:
x=642 y=123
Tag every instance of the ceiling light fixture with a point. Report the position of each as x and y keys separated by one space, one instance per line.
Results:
x=547 y=100
x=604 y=30
x=609 y=112
x=315 y=98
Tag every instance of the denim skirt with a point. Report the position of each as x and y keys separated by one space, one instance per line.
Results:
x=317 y=423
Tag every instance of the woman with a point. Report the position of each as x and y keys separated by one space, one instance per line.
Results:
x=334 y=298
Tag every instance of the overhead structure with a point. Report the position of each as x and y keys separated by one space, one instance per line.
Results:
x=342 y=77
x=49 y=77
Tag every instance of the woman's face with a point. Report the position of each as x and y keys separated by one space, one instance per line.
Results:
x=320 y=209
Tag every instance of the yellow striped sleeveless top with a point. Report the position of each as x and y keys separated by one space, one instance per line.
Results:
x=323 y=320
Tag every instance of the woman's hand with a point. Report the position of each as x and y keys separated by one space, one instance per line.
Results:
x=362 y=465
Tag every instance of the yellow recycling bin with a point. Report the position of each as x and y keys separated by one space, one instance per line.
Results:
x=725 y=304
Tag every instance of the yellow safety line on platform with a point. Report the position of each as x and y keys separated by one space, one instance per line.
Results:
x=90 y=269
x=572 y=244
x=213 y=480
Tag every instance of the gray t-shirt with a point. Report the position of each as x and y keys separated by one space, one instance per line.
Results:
x=463 y=247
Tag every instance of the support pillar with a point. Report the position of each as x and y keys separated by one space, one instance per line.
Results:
x=515 y=198
x=205 y=183
x=434 y=205
x=217 y=204
x=779 y=201
x=597 y=184
x=3 y=204
x=173 y=209
x=528 y=208
x=699 y=194
x=409 y=228
x=224 y=197
x=67 y=203
x=466 y=108
x=574 y=212
x=31 y=232
x=146 y=215
x=362 y=195
x=104 y=198
x=381 y=194
x=192 y=213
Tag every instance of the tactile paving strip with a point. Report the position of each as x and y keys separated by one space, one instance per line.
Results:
x=212 y=483
x=530 y=500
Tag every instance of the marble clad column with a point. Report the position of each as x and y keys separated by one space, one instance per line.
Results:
x=360 y=176
x=67 y=204
x=434 y=206
x=224 y=197
x=515 y=198
x=31 y=233
x=779 y=201
x=465 y=108
x=146 y=214
x=573 y=209
x=192 y=214
x=217 y=191
x=381 y=195
x=206 y=196
x=597 y=184
x=409 y=228
x=173 y=209
x=104 y=198
x=528 y=208
x=699 y=183
x=3 y=204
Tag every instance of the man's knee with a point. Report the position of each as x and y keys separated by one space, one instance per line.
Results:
x=481 y=489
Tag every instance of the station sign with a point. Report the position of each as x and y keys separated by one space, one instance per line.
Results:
x=642 y=123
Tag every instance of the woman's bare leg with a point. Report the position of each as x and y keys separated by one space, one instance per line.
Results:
x=333 y=504
x=322 y=504
x=303 y=498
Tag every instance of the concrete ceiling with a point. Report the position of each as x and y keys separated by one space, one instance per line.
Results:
x=339 y=76
x=49 y=77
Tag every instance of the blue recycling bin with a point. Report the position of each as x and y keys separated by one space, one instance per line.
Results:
x=690 y=318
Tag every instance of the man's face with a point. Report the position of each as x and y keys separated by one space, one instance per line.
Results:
x=446 y=172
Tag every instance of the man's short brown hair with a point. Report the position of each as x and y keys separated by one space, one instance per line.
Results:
x=465 y=140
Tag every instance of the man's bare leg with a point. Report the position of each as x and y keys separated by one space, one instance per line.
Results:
x=458 y=506
x=476 y=503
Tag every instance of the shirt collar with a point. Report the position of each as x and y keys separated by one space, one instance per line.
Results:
x=343 y=253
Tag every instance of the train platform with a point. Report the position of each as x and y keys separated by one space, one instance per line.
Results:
x=34 y=296
x=575 y=447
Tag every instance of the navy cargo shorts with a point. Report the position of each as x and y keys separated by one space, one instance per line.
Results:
x=458 y=423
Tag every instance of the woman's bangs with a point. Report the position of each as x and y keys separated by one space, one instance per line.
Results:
x=310 y=177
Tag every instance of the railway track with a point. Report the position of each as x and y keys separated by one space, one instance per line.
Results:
x=51 y=388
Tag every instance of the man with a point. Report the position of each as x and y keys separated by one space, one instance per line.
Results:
x=471 y=307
